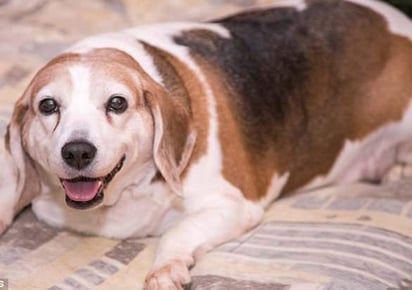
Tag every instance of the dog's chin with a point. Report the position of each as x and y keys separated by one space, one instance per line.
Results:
x=84 y=192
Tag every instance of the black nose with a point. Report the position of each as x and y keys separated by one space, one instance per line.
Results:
x=78 y=154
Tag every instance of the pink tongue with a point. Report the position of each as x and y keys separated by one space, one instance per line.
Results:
x=81 y=190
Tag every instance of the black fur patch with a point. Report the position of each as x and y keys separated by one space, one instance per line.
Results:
x=269 y=58
x=287 y=72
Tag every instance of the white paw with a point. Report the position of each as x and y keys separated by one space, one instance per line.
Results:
x=170 y=276
x=398 y=172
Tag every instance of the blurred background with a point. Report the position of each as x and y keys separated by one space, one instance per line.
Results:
x=33 y=31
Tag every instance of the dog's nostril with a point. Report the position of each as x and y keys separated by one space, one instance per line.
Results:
x=67 y=155
x=78 y=154
x=85 y=156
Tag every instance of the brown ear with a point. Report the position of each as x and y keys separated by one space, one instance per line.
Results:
x=174 y=136
x=19 y=180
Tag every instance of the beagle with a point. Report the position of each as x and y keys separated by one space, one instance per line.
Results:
x=189 y=130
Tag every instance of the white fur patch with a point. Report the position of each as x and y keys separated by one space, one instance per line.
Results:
x=80 y=79
x=276 y=186
x=300 y=5
x=123 y=42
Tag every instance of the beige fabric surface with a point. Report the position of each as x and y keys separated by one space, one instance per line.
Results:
x=356 y=236
x=349 y=237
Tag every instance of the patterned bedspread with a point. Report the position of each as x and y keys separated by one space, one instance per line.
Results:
x=355 y=236
x=351 y=237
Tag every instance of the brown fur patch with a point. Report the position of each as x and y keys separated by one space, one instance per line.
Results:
x=239 y=168
x=183 y=84
x=177 y=93
x=50 y=71
x=117 y=64
x=7 y=139
x=20 y=118
x=293 y=91
x=388 y=95
x=19 y=112
x=157 y=178
x=105 y=61
x=374 y=89
x=170 y=75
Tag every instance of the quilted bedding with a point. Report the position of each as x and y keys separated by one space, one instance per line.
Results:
x=356 y=236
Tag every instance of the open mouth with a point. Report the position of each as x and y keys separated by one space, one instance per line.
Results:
x=85 y=192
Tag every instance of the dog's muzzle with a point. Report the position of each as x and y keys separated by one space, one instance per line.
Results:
x=84 y=192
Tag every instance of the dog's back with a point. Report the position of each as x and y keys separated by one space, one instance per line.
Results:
x=302 y=82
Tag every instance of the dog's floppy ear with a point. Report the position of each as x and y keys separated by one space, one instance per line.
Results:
x=174 y=136
x=19 y=180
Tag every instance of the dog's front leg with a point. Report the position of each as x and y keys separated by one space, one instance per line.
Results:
x=199 y=232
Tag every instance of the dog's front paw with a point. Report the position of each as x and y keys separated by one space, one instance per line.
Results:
x=173 y=275
x=398 y=172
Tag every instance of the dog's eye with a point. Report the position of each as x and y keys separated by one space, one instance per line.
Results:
x=116 y=104
x=48 y=106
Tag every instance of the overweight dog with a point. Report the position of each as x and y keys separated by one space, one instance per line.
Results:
x=189 y=130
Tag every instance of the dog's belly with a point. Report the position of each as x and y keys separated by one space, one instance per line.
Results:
x=369 y=158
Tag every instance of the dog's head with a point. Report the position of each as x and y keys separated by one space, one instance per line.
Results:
x=92 y=120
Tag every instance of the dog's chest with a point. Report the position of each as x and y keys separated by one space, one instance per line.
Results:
x=136 y=214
